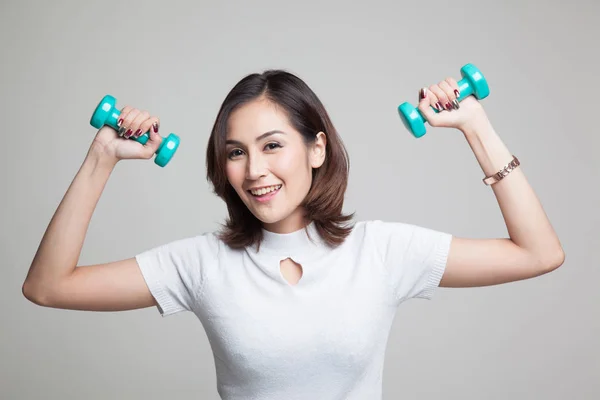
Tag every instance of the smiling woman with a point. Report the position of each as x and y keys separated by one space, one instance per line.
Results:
x=296 y=299
x=272 y=130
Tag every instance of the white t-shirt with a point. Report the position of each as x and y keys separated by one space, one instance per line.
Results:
x=323 y=338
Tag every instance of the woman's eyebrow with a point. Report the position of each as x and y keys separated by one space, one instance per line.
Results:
x=258 y=139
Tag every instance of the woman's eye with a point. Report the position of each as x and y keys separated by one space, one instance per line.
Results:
x=272 y=146
x=238 y=152
x=234 y=153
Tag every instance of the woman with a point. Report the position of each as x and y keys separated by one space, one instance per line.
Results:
x=297 y=302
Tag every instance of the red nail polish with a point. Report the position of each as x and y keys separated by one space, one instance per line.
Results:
x=120 y=122
x=155 y=127
x=423 y=93
x=448 y=106
x=137 y=133
x=128 y=133
x=457 y=93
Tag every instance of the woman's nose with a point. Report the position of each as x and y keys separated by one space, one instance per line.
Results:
x=256 y=167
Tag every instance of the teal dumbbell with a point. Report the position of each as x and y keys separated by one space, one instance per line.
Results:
x=473 y=83
x=107 y=114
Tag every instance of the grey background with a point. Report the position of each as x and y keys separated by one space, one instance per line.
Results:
x=534 y=339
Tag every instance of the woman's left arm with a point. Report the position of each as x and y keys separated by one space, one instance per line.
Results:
x=533 y=248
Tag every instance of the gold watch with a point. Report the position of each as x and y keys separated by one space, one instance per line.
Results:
x=490 y=180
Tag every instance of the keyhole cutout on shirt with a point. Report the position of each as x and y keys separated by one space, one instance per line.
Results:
x=291 y=271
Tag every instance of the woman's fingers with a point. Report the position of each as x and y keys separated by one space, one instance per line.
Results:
x=450 y=89
x=155 y=140
x=126 y=119
x=134 y=129
x=147 y=126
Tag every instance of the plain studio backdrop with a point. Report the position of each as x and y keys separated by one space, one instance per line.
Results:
x=533 y=339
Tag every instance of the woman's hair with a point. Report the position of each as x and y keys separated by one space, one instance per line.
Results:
x=324 y=201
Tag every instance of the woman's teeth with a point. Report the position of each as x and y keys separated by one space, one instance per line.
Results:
x=266 y=190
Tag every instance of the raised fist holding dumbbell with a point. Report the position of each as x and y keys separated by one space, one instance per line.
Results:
x=437 y=103
x=131 y=123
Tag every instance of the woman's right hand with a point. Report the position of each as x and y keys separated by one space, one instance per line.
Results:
x=133 y=123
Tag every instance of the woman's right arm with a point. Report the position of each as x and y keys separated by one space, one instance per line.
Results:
x=54 y=279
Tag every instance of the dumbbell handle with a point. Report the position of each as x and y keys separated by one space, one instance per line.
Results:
x=464 y=87
x=112 y=120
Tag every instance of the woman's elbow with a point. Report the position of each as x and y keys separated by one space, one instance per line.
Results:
x=554 y=260
x=32 y=292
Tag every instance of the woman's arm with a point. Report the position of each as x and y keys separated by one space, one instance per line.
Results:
x=53 y=279
x=60 y=247
x=533 y=248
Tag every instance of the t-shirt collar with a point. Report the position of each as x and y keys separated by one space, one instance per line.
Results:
x=296 y=242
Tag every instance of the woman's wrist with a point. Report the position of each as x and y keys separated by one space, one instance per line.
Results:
x=98 y=156
x=477 y=126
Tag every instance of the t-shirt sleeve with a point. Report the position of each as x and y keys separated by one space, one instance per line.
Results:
x=175 y=272
x=414 y=258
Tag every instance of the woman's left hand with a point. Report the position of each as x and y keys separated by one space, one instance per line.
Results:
x=462 y=115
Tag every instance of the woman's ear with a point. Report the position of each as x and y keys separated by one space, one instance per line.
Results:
x=317 y=150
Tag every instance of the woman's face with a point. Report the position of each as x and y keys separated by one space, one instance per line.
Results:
x=269 y=165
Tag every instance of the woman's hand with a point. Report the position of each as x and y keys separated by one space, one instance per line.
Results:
x=117 y=145
x=462 y=115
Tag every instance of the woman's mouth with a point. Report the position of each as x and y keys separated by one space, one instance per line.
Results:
x=265 y=194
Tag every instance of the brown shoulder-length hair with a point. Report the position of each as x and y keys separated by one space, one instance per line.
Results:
x=324 y=201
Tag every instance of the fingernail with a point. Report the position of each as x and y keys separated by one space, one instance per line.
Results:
x=448 y=106
x=423 y=93
x=439 y=106
x=457 y=93
x=137 y=133
x=119 y=122
x=155 y=127
x=455 y=104
x=128 y=133
x=121 y=131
